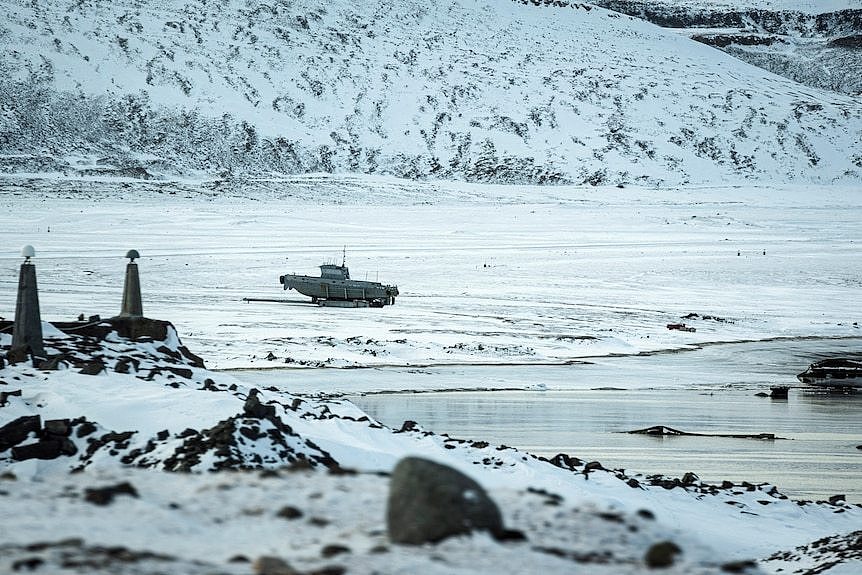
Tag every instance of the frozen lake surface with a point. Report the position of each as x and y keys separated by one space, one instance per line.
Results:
x=583 y=409
x=552 y=291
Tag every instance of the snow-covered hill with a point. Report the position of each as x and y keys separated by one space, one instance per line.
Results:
x=488 y=90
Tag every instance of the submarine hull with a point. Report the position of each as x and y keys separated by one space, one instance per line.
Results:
x=324 y=289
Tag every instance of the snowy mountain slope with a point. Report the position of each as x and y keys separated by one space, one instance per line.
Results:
x=484 y=91
x=814 y=43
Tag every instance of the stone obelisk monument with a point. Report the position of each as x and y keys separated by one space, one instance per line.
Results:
x=27 y=331
x=132 y=306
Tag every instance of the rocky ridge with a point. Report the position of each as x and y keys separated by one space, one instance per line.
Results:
x=818 y=49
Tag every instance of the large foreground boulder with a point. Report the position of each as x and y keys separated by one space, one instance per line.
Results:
x=429 y=502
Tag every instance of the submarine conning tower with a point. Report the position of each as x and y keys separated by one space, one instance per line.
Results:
x=334 y=272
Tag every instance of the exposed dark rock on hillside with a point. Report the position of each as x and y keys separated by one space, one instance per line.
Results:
x=813 y=49
x=784 y=22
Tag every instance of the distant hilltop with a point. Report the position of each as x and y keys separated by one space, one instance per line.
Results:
x=494 y=91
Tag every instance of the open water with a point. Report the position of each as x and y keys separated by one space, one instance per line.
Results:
x=585 y=410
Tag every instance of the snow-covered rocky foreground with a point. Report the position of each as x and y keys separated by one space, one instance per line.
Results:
x=494 y=275
x=276 y=475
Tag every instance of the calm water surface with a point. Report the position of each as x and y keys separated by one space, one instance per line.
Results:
x=819 y=457
x=571 y=409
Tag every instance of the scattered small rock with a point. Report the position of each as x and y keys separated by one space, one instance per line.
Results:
x=429 y=502
x=289 y=512
x=126 y=364
x=661 y=554
x=5 y=395
x=273 y=566
x=17 y=430
x=333 y=550
x=646 y=514
x=53 y=362
x=565 y=461
x=552 y=499
x=510 y=535
x=328 y=570
x=45 y=449
x=30 y=564
x=183 y=372
x=85 y=429
x=105 y=495
x=92 y=368
x=59 y=427
x=408 y=425
x=318 y=521
x=690 y=478
x=254 y=408
x=738 y=566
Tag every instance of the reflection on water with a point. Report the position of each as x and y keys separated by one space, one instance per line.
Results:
x=819 y=457
x=707 y=391
x=710 y=390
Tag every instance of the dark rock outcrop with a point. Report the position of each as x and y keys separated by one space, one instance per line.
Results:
x=267 y=565
x=5 y=395
x=17 y=430
x=254 y=408
x=289 y=512
x=92 y=368
x=52 y=363
x=662 y=555
x=106 y=495
x=429 y=502
x=45 y=449
x=847 y=42
x=725 y=40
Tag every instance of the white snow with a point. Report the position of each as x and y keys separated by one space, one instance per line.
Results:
x=495 y=274
x=739 y=199
x=488 y=275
